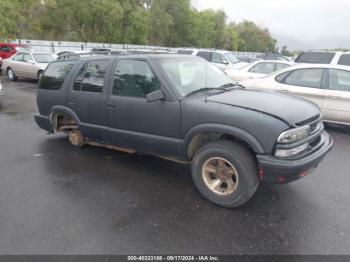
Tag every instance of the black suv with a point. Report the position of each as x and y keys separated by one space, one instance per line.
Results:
x=182 y=108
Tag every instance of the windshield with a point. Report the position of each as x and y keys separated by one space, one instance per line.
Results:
x=231 y=58
x=188 y=75
x=43 y=58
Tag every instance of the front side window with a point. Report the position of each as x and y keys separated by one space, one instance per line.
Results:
x=263 y=68
x=55 y=75
x=305 y=77
x=91 y=77
x=218 y=59
x=279 y=66
x=188 y=75
x=339 y=80
x=43 y=58
x=18 y=57
x=27 y=58
x=134 y=78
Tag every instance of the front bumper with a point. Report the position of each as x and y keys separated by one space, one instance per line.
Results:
x=277 y=170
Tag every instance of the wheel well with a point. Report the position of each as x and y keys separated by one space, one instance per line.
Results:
x=201 y=139
x=63 y=122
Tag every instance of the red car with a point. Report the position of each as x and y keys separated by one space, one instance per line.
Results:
x=7 y=50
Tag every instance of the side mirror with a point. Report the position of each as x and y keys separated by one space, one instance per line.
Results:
x=225 y=62
x=155 y=96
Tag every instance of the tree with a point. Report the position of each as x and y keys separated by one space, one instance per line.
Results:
x=170 y=22
x=88 y=20
x=255 y=38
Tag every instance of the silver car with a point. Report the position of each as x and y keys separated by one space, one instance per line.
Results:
x=326 y=85
x=27 y=64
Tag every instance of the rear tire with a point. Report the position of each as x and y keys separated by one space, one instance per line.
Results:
x=11 y=74
x=225 y=173
x=76 y=138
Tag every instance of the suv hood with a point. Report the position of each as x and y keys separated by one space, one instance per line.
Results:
x=291 y=110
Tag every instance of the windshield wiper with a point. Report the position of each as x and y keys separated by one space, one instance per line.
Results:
x=226 y=86
x=204 y=89
x=222 y=88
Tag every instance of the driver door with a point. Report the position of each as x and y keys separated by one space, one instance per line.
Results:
x=136 y=123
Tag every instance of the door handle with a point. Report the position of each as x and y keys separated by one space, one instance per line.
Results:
x=71 y=103
x=284 y=91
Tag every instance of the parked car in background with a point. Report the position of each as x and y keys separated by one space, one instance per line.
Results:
x=185 y=109
x=324 y=57
x=0 y=64
x=326 y=85
x=7 y=50
x=27 y=64
x=257 y=69
x=68 y=54
x=274 y=56
x=220 y=58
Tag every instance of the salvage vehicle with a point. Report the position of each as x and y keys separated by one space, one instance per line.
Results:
x=326 y=85
x=181 y=108
x=27 y=64
x=257 y=69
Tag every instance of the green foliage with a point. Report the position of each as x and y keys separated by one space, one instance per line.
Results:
x=154 y=22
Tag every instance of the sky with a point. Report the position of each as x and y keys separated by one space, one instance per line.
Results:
x=313 y=24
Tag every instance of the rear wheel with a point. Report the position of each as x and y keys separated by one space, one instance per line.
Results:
x=76 y=138
x=225 y=173
x=11 y=74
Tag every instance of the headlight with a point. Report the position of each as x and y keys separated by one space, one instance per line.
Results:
x=294 y=135
x=291 y=152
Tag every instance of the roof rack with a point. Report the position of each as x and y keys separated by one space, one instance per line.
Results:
x=113 y=53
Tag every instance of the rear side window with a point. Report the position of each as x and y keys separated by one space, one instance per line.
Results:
x=263 y=68
x=344 y=60
x=311 y=77
x=315 y=57
x=55 y=75
x=91 y=77
x=218 y=59
x=185 y=52
x=339 y=80
x=205 y=55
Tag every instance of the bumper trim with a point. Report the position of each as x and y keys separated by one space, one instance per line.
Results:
x=292 y=169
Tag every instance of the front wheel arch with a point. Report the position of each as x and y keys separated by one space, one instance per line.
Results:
x=217 y=132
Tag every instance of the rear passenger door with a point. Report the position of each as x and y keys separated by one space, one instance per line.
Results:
x=337 y=102
x=134 y=122
x=87 y=97
x=308 y=83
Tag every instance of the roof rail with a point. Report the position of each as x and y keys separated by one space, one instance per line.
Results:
x=112 y=53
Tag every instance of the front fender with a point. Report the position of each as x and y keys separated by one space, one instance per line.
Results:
x=225 y=130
